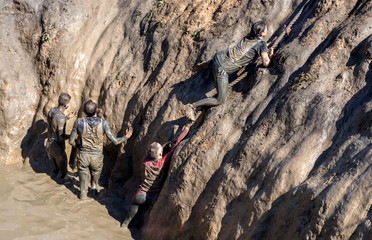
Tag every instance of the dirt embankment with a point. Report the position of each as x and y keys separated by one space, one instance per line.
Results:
x=289 y=150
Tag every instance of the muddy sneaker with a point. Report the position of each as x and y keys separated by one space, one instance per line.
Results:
x=190 y=112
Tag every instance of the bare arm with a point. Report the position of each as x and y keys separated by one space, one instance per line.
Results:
x=73 y=135
x=61 y=124
x=183 y=134
x=266 y=57
x=116 y=140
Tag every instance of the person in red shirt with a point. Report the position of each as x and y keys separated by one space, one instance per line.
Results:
x=154 y=175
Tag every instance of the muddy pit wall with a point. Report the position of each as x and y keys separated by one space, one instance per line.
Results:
x=289 y=150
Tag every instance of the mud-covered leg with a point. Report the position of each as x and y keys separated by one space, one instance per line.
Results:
x=54 y=166
x=221 y=80
x=51 y=158
x=96 y=167
x=83 y=178
x=139 y=199
x=61 y=162
x=83 y=167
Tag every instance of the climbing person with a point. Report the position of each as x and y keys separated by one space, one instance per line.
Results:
x=154 y=174
x=89 y=132
x=229 y=61
x=55 y=145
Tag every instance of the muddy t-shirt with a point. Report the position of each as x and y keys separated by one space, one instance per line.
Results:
x=241 y=54
x=153 y=170
x=56 y=122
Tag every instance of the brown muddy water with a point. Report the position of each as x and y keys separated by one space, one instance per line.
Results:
x=34 y=206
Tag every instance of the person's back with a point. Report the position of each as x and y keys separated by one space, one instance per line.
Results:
x=90 y=131
x=241 y=54
x=56 y=122
x=154 y=175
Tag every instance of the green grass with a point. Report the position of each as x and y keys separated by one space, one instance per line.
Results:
x=156 y=6
x=45 y=36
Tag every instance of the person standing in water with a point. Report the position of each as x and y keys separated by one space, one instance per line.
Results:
x=55 y=146
x=89 y=132
x=230 y=60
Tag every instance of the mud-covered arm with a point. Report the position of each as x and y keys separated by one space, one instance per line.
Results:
x=115 y=140
x=61 y=124
x=73 y=135
x=266 y=54
x=183 y=134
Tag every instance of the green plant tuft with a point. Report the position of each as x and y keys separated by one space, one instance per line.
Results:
x=156 y=6
x=45 y=36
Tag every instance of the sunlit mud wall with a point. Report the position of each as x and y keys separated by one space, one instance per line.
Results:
x=287 y=157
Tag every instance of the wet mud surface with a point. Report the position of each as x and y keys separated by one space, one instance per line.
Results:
x=35 y=206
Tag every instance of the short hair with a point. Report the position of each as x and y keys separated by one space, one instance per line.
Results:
x=90 y=108
x=256 y=29
x=154 y=149
x=64 y=99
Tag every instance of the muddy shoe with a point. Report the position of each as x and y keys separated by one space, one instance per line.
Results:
x=202 y=66
x=190 y=112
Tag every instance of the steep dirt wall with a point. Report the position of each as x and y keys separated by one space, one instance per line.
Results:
x=287 y=157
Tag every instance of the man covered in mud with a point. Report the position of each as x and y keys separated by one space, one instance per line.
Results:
x=55 y=145
x=229 y=61
x=89 y=133
x=154 y=170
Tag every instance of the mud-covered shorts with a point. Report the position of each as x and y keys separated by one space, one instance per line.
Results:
x=57 y=155
x=55 y=149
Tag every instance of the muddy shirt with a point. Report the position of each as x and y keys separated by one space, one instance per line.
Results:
x=90 y=132
x=154 y=171
x=241 y=54
x=56 y=125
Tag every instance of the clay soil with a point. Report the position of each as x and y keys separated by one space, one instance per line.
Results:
x=34 y=206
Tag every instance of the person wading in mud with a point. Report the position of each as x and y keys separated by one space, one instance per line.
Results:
x=55 y=146
x=229 y=61
x=154 y=174
x=89 y=133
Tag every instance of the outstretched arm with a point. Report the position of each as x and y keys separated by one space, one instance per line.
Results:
x=116 y=140
x=183 y=134
x=73 y=135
